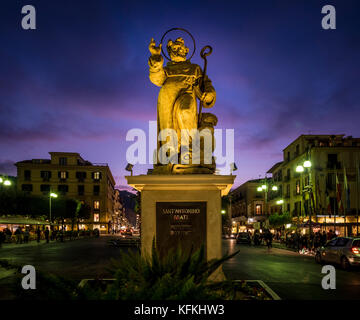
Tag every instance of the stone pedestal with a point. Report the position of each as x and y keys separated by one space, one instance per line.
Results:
x=196 y=198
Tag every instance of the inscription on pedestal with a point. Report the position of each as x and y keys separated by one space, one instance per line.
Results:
x=180 y=223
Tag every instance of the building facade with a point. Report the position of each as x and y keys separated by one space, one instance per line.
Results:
x=313 y=193
x=248 y=206
x=69 y=175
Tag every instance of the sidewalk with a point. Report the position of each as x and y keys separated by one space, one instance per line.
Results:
x=34 y=243
x=282 y=246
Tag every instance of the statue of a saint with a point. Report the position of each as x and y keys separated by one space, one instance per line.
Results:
x=180 y=87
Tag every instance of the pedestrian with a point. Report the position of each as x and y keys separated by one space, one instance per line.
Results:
x=26 y=235
x=18 y=235
x=2 y=237
x=47 y=234
x=38 y=234
x=323 y=238
x=268 y=239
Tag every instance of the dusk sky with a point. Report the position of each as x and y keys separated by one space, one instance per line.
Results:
x=80 y=81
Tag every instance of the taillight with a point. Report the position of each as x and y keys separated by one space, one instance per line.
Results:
x=355 y=250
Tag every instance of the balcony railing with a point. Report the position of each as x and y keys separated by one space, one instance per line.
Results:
x=333 y=165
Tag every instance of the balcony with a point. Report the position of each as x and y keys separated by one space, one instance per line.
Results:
x=333 y=165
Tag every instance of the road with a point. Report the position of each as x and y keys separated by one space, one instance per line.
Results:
x=291 y=275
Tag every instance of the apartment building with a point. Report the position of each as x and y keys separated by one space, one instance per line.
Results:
x=69 y=175
x=311 y=191
x=248 y=205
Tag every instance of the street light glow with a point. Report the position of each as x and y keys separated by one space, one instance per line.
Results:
x=7 y=183
x=1 y=180
x=281 y=201
x=299 y=169
x=264 y=187
x=259 y=189
x=274 y=188
x=307 y=164
x=223 y=211
x=53 y=195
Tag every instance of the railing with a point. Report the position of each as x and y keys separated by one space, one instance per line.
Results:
x=333 y=165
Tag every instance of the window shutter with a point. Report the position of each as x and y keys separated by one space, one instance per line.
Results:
x=92 y=175
x=59 y=174
x=67 y=174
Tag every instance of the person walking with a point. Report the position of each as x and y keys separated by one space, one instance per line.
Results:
x=47 y=234
x=26 y=235
x=18 y=235
x=268 y=239
x=2 y=237
x=38 y=234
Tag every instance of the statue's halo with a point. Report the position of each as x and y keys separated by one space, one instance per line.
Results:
x=172 y=29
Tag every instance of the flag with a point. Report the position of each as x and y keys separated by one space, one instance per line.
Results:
x=347 y=191
x=318 y=196
x=328 y=209
x=338 y=195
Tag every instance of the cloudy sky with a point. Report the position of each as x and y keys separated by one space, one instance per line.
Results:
x=79 y=81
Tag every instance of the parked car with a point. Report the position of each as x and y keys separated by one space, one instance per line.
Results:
x=342 y=250
x=243 y=237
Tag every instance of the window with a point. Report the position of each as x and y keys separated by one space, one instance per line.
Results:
x=45 y=175
x=288 y=190
x=80 y=175
x=307 y=180
x=96 y=217
x=297 y=152
x=96 y=205
x=81 y=190
x=27 y=187
x=45 y=188
x=258 y=209
x=63 y=188
x=342 y=242
x=96 y=190
x=288 y=207
x=96 y=175
x=297 y=186
x=62 y=161
x=63 y=175
x=27 y=175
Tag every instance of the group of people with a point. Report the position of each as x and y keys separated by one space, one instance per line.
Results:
x=308 y=241
x=258 y=238
x=22 y=235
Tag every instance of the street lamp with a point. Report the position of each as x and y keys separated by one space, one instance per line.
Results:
x=223 y=211
x=7 y=183
x=274 y=188
x=51 y=195
x=300 y=169
x=281 y=201
x=259 y=189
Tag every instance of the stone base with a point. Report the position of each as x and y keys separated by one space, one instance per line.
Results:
x=208 y=188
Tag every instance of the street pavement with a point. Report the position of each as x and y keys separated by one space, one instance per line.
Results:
x=291 y=275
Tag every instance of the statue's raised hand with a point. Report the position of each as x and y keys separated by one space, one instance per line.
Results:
x=154 y=50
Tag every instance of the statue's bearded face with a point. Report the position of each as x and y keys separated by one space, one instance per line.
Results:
x=177 y=50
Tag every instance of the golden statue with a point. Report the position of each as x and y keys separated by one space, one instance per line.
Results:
x=177 y=102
